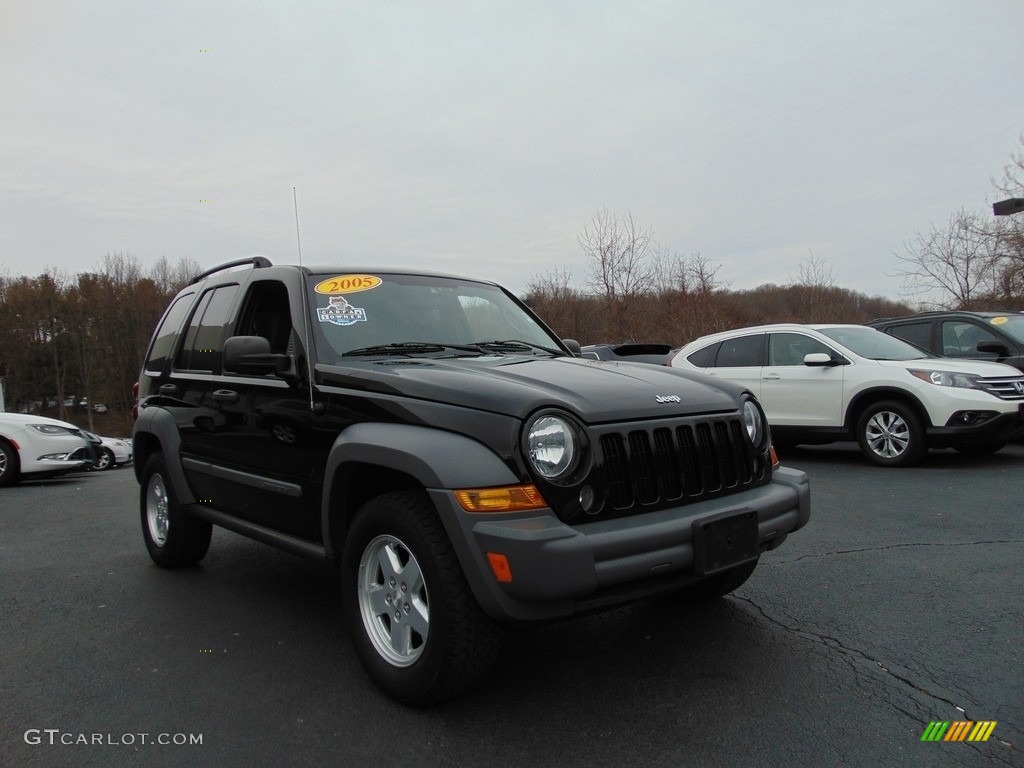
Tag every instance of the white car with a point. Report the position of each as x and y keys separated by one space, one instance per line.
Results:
x=825 y=383
x=112 y=452
x=35 y=445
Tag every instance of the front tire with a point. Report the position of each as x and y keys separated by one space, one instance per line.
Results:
x=10 y=469
x=890 y=434
x=105 y=460
x=173 y=537
x=415 y=625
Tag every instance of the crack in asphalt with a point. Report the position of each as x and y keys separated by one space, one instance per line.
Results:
x=851 y=655
x=893 y=546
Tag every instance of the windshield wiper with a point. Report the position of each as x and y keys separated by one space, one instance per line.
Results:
x=410 y=348
x=515 y=345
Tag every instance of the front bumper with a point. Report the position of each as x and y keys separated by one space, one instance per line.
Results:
x=999 y=428
x=558 y=569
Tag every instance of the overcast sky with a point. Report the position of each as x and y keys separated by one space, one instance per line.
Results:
x=481 y=137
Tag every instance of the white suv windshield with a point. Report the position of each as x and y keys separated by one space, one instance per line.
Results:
x=373 y=314
x=873 y=344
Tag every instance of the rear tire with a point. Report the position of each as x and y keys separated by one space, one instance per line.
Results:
x=173 y=537
x=10 y=466
x=416 y=627
x=890 y=434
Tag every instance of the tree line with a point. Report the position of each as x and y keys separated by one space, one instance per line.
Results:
x=636 y=289
x=68 y=338
x=72 y=339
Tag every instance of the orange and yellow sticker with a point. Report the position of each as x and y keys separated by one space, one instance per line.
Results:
x=998 y=320
x=333 y=286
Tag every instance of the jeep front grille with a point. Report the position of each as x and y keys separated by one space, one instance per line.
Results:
x=643 y=469
x=1004 y=387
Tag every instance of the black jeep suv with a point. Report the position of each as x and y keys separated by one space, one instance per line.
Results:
x=995 y=336
x=461 y=467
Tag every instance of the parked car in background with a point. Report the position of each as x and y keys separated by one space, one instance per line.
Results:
x=37 y=446
x=108 y=452
x=993 y=336
x=827 y=383
x=655 y=354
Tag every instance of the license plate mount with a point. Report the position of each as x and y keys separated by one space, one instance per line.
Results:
x=723 y=541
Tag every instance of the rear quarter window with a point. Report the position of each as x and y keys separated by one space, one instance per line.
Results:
x=704 y=358
x=167 y=332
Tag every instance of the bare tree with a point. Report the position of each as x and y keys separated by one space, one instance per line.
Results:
x=958 y=264
x=1012 y=182
x=619 y=264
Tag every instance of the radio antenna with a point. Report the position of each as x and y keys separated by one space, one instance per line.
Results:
x=305 y=307
x=298 y=240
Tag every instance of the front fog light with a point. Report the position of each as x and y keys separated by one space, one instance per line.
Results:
x=588 y=500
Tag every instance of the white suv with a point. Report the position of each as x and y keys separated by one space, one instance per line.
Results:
x=824 y=383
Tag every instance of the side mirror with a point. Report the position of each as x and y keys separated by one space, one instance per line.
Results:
x=573 y=345
x=993 y=347
x=251 y=355
x=822 y=360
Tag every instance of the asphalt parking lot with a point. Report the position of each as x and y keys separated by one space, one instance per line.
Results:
x=900 y=604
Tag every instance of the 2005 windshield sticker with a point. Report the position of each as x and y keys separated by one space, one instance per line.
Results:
x=338 y=310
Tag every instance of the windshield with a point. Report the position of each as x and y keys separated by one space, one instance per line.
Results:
x=382 y=314
x=1011 y=325
x=873 y=344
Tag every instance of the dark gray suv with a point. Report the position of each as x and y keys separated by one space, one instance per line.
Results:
x=459 y=465
x=995 y=336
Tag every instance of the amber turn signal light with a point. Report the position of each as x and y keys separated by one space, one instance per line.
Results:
x=513 y=498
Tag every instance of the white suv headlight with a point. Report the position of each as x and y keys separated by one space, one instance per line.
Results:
x=947 y=378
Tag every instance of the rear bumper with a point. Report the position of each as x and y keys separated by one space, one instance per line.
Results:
x=558 y=570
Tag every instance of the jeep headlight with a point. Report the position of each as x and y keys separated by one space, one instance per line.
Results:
x=551 y=447
x=947 y=379
x=754 y=422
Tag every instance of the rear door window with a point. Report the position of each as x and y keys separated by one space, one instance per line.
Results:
x=918 y=334
x=205 y=335
x=741 y=352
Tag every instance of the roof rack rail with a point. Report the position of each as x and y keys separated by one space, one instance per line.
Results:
x=256 y=261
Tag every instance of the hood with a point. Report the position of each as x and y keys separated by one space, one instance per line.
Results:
x=984 y=368
x=596 y=391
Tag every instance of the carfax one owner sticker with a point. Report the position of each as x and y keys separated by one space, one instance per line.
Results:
x=338 y=310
